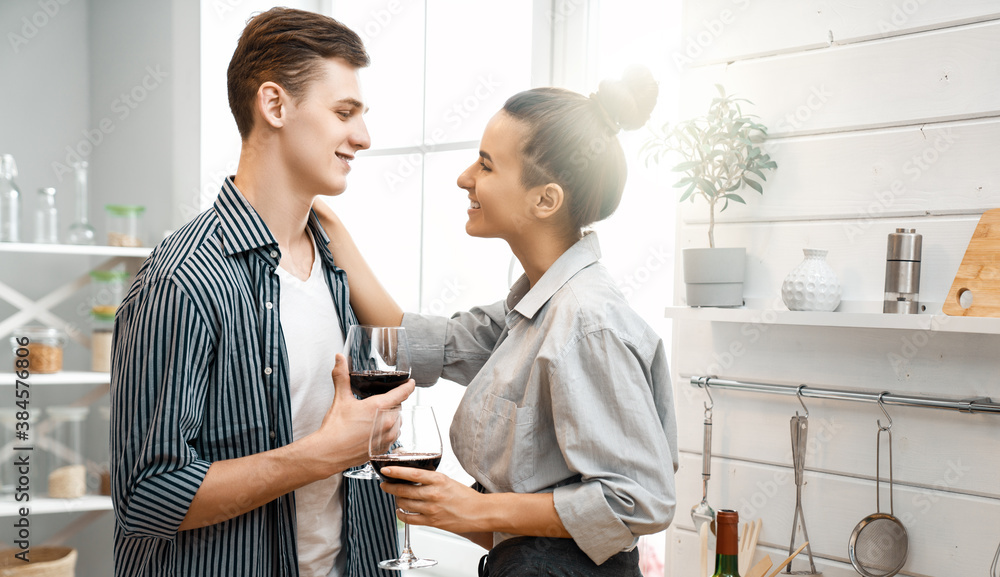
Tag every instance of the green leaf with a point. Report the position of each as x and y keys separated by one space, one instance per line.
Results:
x=754 y=185
x=687 y=193
x=707 y=186
x=736 y=198
x=684 y=181
x=686 y=166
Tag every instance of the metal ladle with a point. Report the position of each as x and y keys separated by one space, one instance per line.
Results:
x=703 y=513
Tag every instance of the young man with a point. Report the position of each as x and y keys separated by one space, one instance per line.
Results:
x=228 y=437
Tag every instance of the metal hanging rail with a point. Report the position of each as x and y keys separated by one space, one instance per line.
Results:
x=976 y=405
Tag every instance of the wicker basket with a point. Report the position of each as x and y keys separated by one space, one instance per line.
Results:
x=45 y=562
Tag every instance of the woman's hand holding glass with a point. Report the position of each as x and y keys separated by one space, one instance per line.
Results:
x=405 y=438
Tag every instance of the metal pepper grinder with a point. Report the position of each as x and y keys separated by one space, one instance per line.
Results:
x=902 y=272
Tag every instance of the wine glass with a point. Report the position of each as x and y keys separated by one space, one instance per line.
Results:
x=405 y=437
x=378 y=360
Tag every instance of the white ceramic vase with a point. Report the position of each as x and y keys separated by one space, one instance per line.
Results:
x=811 y=286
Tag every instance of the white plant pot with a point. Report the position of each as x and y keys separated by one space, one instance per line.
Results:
x=714 y=276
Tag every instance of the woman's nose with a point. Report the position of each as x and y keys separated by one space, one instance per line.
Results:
x=465 y=180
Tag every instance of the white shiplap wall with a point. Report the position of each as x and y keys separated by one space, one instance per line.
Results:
x=883 y=114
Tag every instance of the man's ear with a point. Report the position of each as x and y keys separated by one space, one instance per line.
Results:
x=549 y=200
x=270 y=104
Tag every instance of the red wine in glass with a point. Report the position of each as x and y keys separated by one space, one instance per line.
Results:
x=375 y=382
x=425 y=461
x=378 y=360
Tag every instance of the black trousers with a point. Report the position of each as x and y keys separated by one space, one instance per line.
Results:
x=551 y=557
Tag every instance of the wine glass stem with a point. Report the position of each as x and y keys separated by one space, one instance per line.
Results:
x=407 y=554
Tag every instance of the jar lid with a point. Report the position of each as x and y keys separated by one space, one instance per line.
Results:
x=109 y=275
x=105 y=313
x=36 y=333
x=124 y=209
x=66 y=413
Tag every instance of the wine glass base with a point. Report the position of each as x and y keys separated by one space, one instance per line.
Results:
x=406 y=564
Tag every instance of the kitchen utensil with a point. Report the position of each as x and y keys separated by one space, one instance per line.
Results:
x=748 y=544
x=753 y=543
x=799 y=426
x=996 y=560
x=761 y=568
x=702 y=513
x=788 y=559
x=976 y=289
x=703 y=558
x=902 y=272
x=878 y=544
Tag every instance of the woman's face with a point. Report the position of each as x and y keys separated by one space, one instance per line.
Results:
x=500 y=207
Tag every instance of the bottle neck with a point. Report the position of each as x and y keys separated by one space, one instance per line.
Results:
x=726 y=566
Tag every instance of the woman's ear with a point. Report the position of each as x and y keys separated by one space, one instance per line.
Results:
x=271 y=100
x=549 y=200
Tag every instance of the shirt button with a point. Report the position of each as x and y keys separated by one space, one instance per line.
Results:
x=267 y=370
x=274 y=254
x=268 y=306
x=273 y=435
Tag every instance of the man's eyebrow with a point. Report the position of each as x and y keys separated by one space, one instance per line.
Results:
x=353 y=102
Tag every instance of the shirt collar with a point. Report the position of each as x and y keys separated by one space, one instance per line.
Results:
x=527 y=301
x=242 y=228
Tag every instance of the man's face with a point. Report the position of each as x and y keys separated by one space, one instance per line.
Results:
x=323 y=129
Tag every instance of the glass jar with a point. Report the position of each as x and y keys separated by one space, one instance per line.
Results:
x=100 y=339
x=107 y=289
x=124 y=224
x=104 y=463
x=44 y=346
x=10 y=201
x=46 y=217
x=67 y=468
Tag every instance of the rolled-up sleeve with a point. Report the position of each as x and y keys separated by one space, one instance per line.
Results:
x=160 y=359
x=453 y=348
x=611 y=434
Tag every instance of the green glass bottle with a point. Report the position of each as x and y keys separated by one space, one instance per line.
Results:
x=727 y=541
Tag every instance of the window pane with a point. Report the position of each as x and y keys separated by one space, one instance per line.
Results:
x=383 y=218
x=393 y=32
x=476 y=58
x=459 y=271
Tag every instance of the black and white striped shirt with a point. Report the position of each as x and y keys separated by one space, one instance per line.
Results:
x=200 y=374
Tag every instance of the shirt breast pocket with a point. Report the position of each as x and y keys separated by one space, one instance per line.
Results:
x=504 y=451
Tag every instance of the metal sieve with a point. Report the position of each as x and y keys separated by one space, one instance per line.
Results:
x=878 y=544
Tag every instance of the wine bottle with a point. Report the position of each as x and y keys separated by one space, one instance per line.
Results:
x=727 y=550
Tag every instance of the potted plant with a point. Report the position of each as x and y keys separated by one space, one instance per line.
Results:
x=720 y=155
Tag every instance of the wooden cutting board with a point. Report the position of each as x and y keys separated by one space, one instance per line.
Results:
x=979 y=273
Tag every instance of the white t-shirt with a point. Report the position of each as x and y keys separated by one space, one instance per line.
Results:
x=311 y=327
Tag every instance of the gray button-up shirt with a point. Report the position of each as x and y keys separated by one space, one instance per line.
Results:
x=569 y=393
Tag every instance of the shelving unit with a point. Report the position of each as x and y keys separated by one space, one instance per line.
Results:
x=96 y=383
x=40 y=309
x=74 y=249
x=850 y=314
x=61 y=378
x=45 y=505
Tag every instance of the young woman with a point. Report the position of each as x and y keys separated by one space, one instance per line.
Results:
x=567 y=421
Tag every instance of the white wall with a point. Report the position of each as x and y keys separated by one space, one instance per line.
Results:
x=855 y=94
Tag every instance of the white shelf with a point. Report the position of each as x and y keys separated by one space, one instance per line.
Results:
x=850 y=314
x=44 y=505
x=61 y=378
x=74 y=249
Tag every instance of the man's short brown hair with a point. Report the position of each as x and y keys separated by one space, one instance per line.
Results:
x=285 y=46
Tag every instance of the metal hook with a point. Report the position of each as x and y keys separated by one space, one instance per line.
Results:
x=708 y=407
x=882 y=406
x=798 y=393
